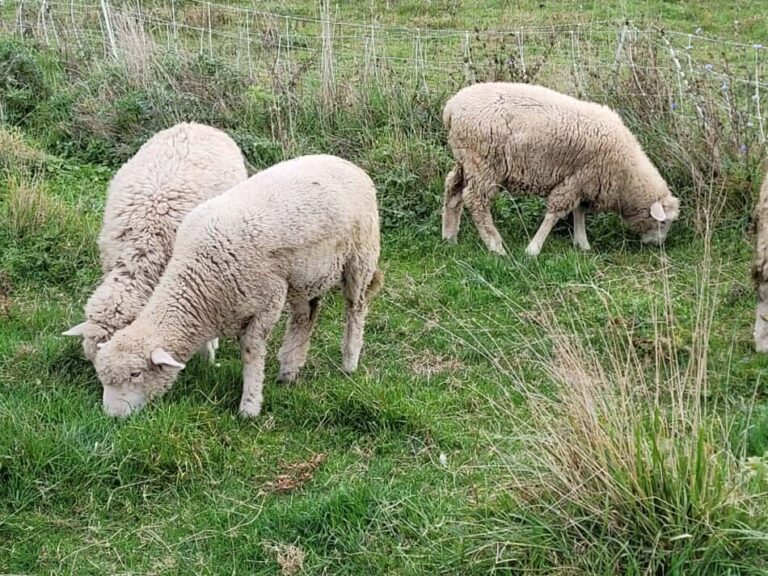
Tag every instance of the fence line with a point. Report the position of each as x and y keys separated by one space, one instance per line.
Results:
x=588 y=58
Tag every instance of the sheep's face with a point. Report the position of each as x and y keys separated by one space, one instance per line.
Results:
x=92 y=334
x=653 y=223
x=132 y=371
x=761 y=318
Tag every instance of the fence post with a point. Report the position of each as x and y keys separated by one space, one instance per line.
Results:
x=469 y=74
x=210 y=32
x=326 y=70
x=41 y=21
x=108 y=26
x=756 y=97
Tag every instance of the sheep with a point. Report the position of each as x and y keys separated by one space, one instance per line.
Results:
x=288 y=234
x=172 y=172
x=760 y=269
x=532 y=140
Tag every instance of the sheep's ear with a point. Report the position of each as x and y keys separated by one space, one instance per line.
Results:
x=657 y=211
x=79 y=330
x=161 y=357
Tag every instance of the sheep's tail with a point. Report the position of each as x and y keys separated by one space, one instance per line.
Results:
x=454 y=183
x=447 y=111
x=759 y=268
x=377 y=281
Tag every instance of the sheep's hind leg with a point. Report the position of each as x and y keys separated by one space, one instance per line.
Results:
x=253 y=349
x=761 y=318
x=453 y=203
x=293 y=352
x=360 y=283
x=580 y=228
x=478 y=204
x=208 y=350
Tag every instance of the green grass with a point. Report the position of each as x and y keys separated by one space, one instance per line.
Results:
x=185 y=485
x=451 y=450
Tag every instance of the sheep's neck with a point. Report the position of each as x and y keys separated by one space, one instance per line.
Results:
x=183 y=324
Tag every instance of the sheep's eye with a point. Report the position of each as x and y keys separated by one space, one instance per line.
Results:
x=135 y=374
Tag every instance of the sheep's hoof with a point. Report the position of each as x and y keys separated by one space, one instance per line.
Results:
x=497 y=249
x=532 y=250
x=584 y=247
x=250 y=410
x=349 y=366
x=288 y=376
x=451 y=238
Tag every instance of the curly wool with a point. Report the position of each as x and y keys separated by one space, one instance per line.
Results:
x=288 y=234
x=173 y=172
x=534 y=141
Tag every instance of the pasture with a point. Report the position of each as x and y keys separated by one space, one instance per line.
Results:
x=579 y=413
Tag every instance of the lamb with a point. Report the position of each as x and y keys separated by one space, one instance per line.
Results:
x=760 y=269
x=532 y=140
x=173 y=172
x=288 y=234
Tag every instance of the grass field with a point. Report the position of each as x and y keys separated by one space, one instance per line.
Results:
x=580 y=413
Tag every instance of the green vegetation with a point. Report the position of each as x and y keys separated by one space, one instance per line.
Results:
x=598 y=413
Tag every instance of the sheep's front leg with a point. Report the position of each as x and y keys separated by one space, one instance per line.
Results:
x=562 y=200
x=253 y=349
x=580 y=228
x=293 y=352
x=550 y=219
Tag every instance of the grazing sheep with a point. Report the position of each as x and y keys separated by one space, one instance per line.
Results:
x=760 y=269
x=173 y=172
x=288 y=234
x=531 y=140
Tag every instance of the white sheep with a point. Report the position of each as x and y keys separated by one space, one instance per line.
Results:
x=531 y=140
x=760 y=269
x=288 y=234
x=172 y=172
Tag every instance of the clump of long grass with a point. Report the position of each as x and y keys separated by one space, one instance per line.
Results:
x=632 y=472
x=627 y=466
x=28 y=208
x=42 y=237
x=16 y=155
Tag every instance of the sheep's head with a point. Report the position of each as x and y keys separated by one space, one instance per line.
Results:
x=653 y=222
x=761 y=318
x=92 y=334
x=133 y=370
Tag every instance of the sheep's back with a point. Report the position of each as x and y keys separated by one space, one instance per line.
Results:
x=292 y=205
x=173 y=172
x=529 y=136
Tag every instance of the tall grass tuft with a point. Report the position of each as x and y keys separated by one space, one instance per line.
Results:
x=627 y=468
x=43 y=239
x=28 y=208
x=16 y=155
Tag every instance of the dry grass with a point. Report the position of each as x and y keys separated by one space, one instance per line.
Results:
x=295 y=475
x=428 y=363
x=290 y=558
x=136 y=49
x=16 y=154
x=29 y=208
